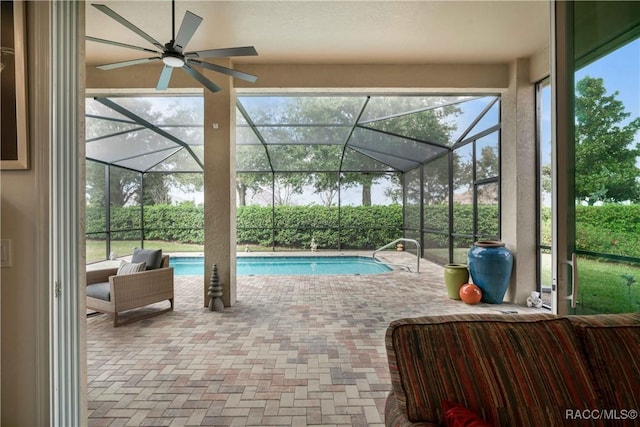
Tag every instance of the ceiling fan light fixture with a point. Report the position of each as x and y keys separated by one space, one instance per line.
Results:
x=171 y=60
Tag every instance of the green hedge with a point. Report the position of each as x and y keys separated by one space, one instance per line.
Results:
x=611 y=229
x=181 y=223
x=362 y=226
x=436 y=217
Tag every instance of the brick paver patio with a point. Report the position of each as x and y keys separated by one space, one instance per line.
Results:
x=294 y=351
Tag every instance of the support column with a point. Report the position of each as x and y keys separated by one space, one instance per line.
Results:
x=219 y=189
x=66 y=184
x=518 y=180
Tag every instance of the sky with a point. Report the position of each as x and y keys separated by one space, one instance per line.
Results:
x=621 y=72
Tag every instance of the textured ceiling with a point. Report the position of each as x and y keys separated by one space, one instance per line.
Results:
x=367 y=32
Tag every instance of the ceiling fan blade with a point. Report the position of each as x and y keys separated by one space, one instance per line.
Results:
x=234 y=73
x=219 y=53
x=128 y=46
x=104 y=9
x=127 y=63
x=190 y=24
x=202 y=79
x=165 y=76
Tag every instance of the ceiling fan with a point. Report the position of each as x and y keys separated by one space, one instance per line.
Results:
x=172 y=54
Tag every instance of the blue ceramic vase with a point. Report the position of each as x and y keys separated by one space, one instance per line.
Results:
x=490 y=264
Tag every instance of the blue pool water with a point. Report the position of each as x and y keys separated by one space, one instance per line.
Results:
x=287 y=265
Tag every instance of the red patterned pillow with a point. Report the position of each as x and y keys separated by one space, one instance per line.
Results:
x=456 y=415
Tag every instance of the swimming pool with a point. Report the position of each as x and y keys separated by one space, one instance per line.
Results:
x=287 y=265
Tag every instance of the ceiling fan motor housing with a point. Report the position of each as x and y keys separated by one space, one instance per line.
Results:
x=172 y=59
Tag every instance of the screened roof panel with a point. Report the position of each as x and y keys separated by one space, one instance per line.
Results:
x=126 y=146
x=381 y=107
x=302 y=109
x=246 y=136
x=397 y=163
x=166 y=110
x=305 y=157
x=198 y=150
x=393 y=145
x=433 y=125
x=290 y=132
x=94 y=108
x=180 y=161
x=240 y=119
x=191 y=135
x=96 y=128
x=354 y=161
x=488 y=120
x=142 y=132
x=469 y=112
x=146 y=161
x=304 y=134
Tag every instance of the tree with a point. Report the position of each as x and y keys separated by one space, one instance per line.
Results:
x=250 y=182
x=606 y=154
x=155 y=189
x=124 y=185
x=95 y=184
x=326 y=185
x=417 y=124
x=183 y=118
x=318 y=136
x=250 y=160
x=285 y=185
x=436 y=180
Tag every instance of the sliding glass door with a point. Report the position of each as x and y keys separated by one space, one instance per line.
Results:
x=597 y=160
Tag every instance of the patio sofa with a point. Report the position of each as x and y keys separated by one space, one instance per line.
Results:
x=112 y=293
x=514 y=370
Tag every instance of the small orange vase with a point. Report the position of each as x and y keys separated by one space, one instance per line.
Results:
x=470 y=293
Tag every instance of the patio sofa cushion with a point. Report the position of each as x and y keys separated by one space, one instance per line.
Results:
x=608 y=338
x=153 y=258
x=486 y=363
x=131 y=267
x=99 y=291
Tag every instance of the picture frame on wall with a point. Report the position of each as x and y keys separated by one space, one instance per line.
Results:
x=14 y=144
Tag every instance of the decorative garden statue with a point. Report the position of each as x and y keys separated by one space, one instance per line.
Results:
x=215 y=291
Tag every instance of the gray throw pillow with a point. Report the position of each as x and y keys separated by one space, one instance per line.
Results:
x=152 y=257
x=130 y=267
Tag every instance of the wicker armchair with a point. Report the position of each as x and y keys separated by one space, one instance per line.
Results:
x=131 y=291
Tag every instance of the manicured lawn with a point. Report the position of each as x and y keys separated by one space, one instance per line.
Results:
x=96 y=248
x=602 y=287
